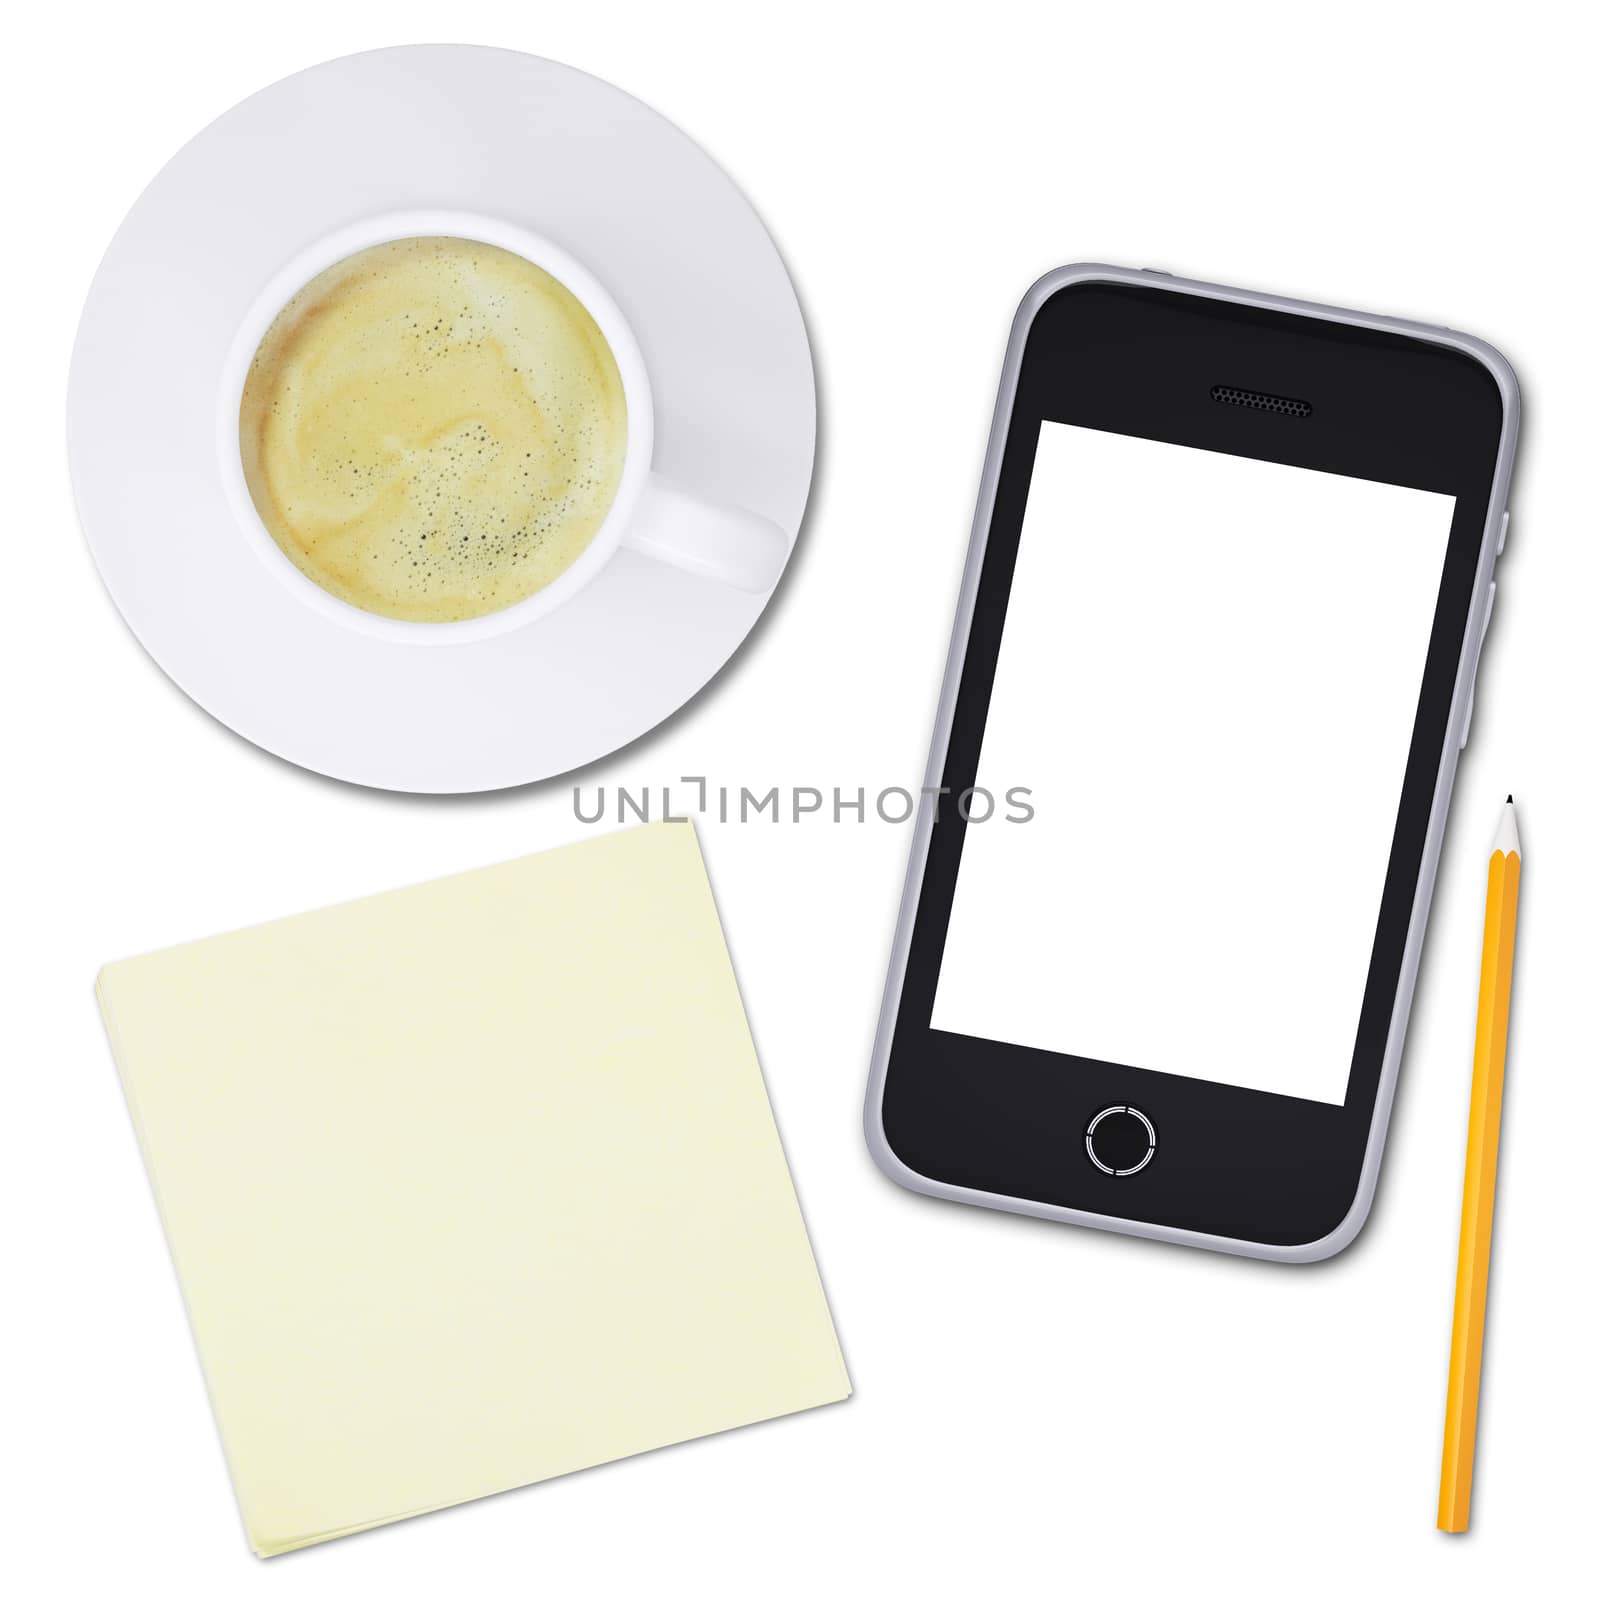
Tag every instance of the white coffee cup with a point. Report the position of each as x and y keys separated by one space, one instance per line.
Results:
x=650 y=513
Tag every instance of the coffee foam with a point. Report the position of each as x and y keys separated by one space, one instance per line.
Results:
x=433 y=429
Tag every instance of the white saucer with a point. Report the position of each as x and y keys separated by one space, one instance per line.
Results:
x=506 y=136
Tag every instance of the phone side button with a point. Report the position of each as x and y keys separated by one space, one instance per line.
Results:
x=1477 y=661
x=1505 y=528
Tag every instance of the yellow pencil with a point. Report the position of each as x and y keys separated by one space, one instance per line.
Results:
x=1477 y=1201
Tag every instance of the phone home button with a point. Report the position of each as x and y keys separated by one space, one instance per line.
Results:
x=1120 y=1140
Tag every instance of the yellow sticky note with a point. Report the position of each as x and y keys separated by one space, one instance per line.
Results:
x=471 y=1184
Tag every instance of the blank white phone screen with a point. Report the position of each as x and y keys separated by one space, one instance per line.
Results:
x=1208 y=678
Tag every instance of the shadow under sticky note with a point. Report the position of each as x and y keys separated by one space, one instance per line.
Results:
x=471 y=1184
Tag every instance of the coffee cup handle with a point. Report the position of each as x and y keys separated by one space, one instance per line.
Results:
x=706 y=538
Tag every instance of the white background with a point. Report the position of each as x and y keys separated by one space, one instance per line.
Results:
x=1037 y=1407
x=1163 y=907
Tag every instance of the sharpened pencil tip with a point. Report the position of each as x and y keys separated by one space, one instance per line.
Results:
x=1505 y=836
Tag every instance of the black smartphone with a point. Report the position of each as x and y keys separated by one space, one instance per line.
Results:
x=1212 y=668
